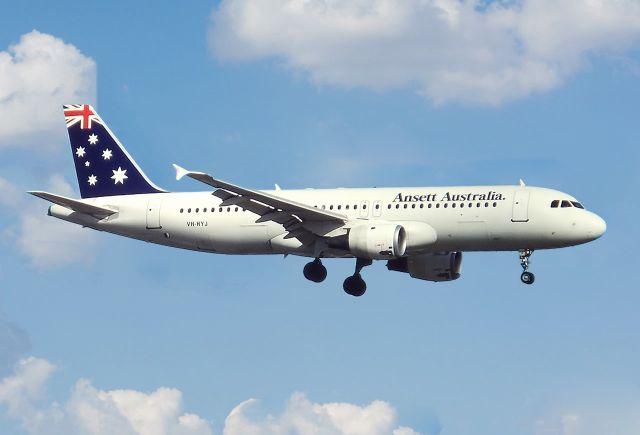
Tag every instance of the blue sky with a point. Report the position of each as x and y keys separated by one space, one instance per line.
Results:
x=325 y=94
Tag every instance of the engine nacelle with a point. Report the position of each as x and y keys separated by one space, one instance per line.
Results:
x=434 y=266
x=377 y=241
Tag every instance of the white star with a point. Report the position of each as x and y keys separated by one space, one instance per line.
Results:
x=80 y=151
x=87 y=163
x=119 y=175
x=93 y=139
x=106 y=154
x=92 y=180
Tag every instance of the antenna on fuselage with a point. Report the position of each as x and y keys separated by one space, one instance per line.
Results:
x=522 y=183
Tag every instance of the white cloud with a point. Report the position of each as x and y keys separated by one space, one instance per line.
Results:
x=90 y=411
x=46 y=241
x=302 y=416
x=468 y=51
x=37 y=76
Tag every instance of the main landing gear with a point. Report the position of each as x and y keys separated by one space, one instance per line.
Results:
x=355 y=285
x=526 y=277
x=315 y=271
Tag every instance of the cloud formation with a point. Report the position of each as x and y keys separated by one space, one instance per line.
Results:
x=90 y=411
x=47 y=242
x=465 y=51
x=301 y=416
x=38 y=75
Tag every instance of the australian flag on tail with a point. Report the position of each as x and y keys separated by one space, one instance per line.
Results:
x=103 y=166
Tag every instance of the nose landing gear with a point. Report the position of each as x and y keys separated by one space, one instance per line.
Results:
x=526 y=277
x=315 y=271
x=355 y=285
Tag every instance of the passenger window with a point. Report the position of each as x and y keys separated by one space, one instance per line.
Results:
x=577 y=204
x=355 y=206
x=421 y=205
x=182 y=210
x=446 y=205
x=346 y=207
x=413 y=206
x=364 y=207
x=555 y=203
x=188 y=210
x=565 y=204
x=405 y=206
x=339 y=207
x=453 y=205
x=377 y=206
x=397 y=205
x=429 y=205
x=389 y=207
x=495 y=204
x=437 y=205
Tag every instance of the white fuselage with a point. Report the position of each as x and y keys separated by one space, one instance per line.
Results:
x=476 y=218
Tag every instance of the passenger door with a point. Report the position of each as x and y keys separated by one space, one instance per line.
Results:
x=520 y=211
x=364 y=209
x=153 y=212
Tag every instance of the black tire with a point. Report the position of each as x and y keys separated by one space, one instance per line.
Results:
x=527 y=278
x=355 y=285
x=315 y=271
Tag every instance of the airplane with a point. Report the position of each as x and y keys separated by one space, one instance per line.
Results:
x=420 y=231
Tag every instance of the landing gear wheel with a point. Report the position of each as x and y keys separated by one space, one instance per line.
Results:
x=355 y=285
x=315 y=271
x=527 y=277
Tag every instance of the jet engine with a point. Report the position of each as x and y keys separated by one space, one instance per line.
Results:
x=434 y=266
x=377 y=241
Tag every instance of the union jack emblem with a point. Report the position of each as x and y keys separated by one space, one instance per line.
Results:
x=83 y=113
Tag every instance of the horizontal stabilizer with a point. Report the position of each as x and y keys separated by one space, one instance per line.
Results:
x=75 y=205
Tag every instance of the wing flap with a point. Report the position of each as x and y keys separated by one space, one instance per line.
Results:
x=303 y=211
x=290 y=214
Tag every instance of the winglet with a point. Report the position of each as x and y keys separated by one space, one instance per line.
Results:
x=180 y=171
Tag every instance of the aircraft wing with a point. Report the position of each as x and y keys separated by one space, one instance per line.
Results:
x=291 y=214
x=74 y=204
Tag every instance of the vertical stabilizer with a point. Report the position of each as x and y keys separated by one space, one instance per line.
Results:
x=103 y=165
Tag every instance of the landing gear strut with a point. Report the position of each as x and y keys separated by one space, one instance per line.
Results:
x=315 y=271
x=355 y=285
x=526 y=277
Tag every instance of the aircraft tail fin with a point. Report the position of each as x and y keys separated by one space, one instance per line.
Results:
x=103 y=165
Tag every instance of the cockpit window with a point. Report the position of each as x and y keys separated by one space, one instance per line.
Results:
x=565 y=204
x=577 y=204
x=555 y=203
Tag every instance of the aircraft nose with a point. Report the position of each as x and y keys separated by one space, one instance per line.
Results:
x=597 y=226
